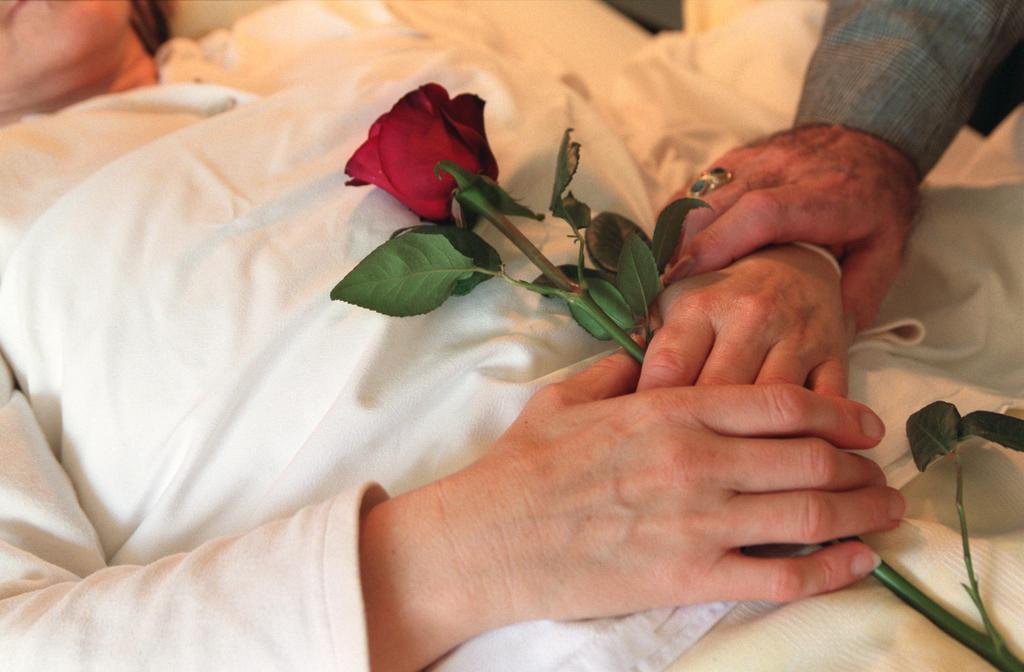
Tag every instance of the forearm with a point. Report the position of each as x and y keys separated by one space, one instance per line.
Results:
x=284 y=595
x=907 y=71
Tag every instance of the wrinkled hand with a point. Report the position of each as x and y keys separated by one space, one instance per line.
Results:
x=772 y=317
x=598 y=502
x=822 y=184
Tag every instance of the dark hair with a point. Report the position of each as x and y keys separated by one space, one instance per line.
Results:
x=149 y=21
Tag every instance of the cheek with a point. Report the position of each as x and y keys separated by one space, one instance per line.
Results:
x=86 y=29
x=51 y=41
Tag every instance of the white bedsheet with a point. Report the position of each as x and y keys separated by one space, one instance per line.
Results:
x=168 y=314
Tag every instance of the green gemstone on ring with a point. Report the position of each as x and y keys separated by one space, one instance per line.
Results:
x=718 y=171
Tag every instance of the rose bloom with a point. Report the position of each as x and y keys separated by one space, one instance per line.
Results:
x=405 y=144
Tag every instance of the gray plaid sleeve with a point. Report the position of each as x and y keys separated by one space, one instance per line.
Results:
x=907 y=71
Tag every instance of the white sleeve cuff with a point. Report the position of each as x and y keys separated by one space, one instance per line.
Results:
x=825 y=254
x=343 y=590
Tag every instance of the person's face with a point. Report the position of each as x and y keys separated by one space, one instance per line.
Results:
x=53 y=50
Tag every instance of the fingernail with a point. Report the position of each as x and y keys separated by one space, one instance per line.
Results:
x=864 y=563
x=897 y=505
x=872 y=425
x=680 y=270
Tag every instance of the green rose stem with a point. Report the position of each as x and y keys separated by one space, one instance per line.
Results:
x=481 y=205
x=989 y=645
x=975 y=640
x=568 y=289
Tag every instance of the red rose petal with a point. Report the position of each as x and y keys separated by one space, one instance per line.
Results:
x=411 y=143
x=434 y=95
x=467 y=109
x=364 y=167
x=404 y=145
x=475 y=142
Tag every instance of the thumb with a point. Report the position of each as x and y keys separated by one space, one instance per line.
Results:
x=867 y=276
x=611 y=376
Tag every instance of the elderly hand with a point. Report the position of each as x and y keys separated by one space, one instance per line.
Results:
x=598 y=502
x=821 y=184
x=772 y=317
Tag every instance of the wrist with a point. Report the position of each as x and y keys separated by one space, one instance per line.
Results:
x=418 y=590
x=894 y=161
x=811 y=260
x=825 y=255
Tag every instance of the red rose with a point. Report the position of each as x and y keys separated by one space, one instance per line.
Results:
x=405 y=144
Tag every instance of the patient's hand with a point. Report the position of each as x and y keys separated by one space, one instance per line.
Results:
x=773 y=317
x=597 y=501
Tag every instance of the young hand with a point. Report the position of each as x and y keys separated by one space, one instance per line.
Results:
x=598 y=502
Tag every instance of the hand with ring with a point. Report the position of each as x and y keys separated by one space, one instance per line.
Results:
x=828 y=185
x=777 y=316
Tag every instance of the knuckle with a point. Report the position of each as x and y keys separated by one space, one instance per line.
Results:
x=762 y=203
x=664 y=403
x=777 y=379
x=718 y=378
x=680 y=470
x=786 y=404
x=814 y=518
x=666 y=354
x=756 y=308
x=553 y=395
x=820 y=462
x=828 y=576
x=786 y=584
x=702 y=302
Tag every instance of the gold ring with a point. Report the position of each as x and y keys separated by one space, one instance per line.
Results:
x=709 y=181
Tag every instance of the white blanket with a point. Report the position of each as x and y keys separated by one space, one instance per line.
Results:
x=165 y=308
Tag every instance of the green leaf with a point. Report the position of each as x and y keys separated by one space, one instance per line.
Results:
x=565 y=167
x=586 y=320
x=609 y=299
x=485 y=188
x=1003 y=429
x=669 y=229
x=933 y=432
x=410 y=275
x=469 y=244
x=605 y=237
x=638 y=276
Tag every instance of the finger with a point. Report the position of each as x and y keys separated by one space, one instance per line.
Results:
x=829 y=378
x=677 y=352
x=748 y=175
x=778 y=465
x=779 y=410
x=810 y=516
x=735 y=358
x=784 y=364
x=788 y=579
x=766 y=216
x=719 y=200
x=611 y=376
